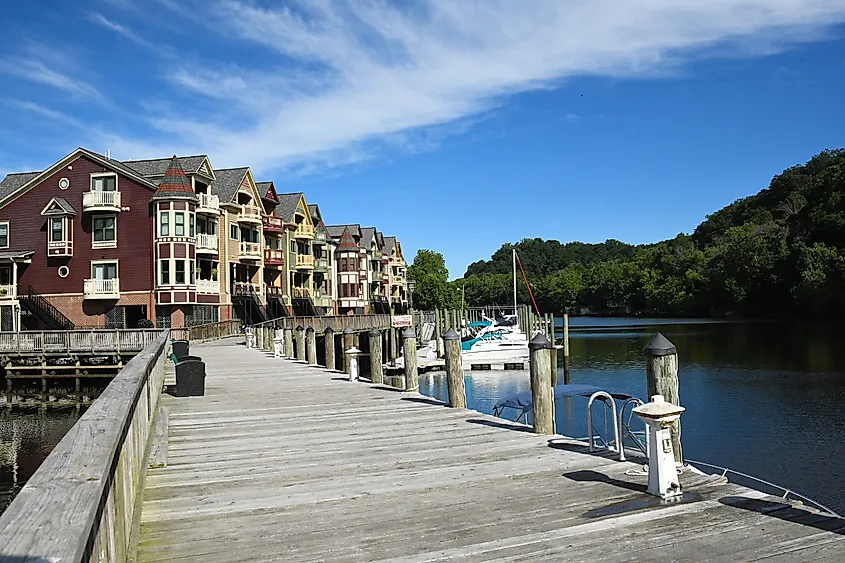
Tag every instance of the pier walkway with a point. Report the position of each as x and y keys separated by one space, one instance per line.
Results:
x=281 y=461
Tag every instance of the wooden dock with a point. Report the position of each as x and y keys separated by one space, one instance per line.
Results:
x=281 y=461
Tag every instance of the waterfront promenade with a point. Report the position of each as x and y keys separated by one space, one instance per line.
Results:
x=284 y=461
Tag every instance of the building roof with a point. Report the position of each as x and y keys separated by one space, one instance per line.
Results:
x=367 y=234
x=14 y=181
x=175 y=183
x=267 y=191
x=347 y=242
x=158 y=166
x=389 y=243
x=226 y=183
x=58 y=206
x=15 y=254
x=286 y=208
x=336 y=231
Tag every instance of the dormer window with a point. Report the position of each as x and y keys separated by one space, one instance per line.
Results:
x=59 y=214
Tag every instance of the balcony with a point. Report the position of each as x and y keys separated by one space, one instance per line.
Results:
x=101 y=289
x=60 y=248
x=250 y=251
x=322 y=298
x=304 y=231
x=321 y=264
x=301 y=293
x=209 y=204
x=273 y=224
x=305 y=261
x=249 y=214
x=208 y=286
x=274 y=257
x=101 y=201
x=207 y=243
x=320 y=237
x=8 y=292
x=245 y=288
x=273 y=291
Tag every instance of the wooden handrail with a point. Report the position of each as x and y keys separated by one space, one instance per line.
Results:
x=79 y=504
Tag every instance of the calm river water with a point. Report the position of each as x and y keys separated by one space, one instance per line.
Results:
x=765 y=398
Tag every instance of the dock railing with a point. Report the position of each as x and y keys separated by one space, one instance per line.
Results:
x=77 y=341
x=208 y=331
x=80 y=503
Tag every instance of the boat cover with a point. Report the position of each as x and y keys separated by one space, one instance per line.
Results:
x=522 y=401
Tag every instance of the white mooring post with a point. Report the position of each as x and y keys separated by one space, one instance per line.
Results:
x=659 y=416
x=352 y=354
x=277 y=344
x=250 y=338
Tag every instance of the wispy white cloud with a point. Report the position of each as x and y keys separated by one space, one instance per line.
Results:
x=51 y=67
x=339 y=78
x=43 y=111
x=123 y=31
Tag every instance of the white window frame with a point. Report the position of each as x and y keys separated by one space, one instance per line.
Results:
x=161 y=281
x=161 y=215
x=233 y=228
x=114 y=261
x=103 y=175
x=103 y=243
x=63 y=222
x=8 y=233
x=176 y=215
x=184 y=271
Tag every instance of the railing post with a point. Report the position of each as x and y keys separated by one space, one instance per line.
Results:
x=410 y=349
x=311 y=346
x=454 y=370
x=300 y=343
x=542 y=397
x=329 y=346
x=376 y=373
x=289 y=340
x=566 y=349
x=348 y=344
x=661 y=369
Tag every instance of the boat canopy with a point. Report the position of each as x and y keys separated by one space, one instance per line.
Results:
x=522 y=401
x=479 y=324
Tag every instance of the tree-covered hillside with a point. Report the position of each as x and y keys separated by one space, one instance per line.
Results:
x=779 y=252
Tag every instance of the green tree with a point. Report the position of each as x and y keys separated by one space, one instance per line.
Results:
x=431 y=277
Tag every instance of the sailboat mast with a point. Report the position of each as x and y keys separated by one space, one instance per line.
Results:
x=514 y=285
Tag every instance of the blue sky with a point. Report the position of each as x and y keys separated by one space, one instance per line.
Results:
x=455 y=125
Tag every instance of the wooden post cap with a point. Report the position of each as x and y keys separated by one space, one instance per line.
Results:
x=309 y=329
x=348 y=330
x=409 y=333
x=329 y=330
x=300 y=327
x=539 y=341
x=375 y=332
x=659 y=345
x=451 y=334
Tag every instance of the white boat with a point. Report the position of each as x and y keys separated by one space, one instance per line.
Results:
x=493 y=341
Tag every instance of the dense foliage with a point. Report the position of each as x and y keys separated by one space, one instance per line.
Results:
x=779 y=252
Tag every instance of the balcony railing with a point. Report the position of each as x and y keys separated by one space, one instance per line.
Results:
x=206 y=243
x=245 y=288
x=272 y=256
x=301 y=293
x=101 y=201
x=320 y=237
x=304 y=231
x=8 y=292
x=251 y=250
x=249 y=214
x=208 y=286
x=209 y=203
x=304 y=261
x=101 y=289
x=273 y=291
x=321 y=264
x=273 y=224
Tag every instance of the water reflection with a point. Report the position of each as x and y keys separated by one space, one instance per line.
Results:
x=763 y=398
x=26 y=438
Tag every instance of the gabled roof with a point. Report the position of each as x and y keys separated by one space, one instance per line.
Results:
x=389 y=243
x=380 y=239
x=347 y=242
x=336 y=231
x=286 y=209
x=175 y=183
x=58 y=206
x=367 y=235
x=16 y=184
x=226 y=183
x=267 y=191
x=314 y=210
x=158 y=166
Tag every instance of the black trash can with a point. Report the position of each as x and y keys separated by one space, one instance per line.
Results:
x=190 y=378
x=180 y=349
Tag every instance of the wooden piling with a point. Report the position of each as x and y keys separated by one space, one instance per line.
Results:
x=438 y=332
x=331 y=363
x=348 y=342
x=553 y=362
x=311 y=346
x=409 y=346
x=566 y=349
x=393 y=346
x=376 y=367
x=661 y=370
x=300 y=343
x=288 y=341
x=454 y=370
x=542 y=397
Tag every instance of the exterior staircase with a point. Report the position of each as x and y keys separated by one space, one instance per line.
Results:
x=45 y=313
